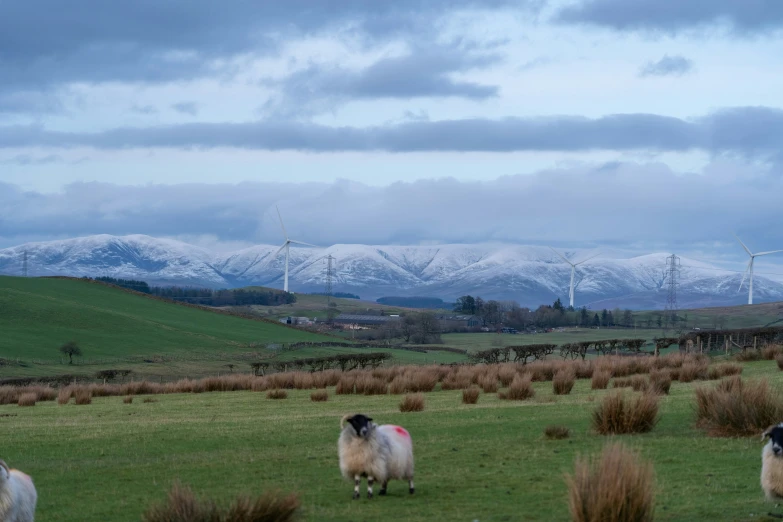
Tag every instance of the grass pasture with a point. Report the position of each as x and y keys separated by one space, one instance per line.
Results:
x=490 y=461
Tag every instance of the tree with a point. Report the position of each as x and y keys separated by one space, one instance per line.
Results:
x=491 y=313
x=426 y=329
x=659 y=321
x=604 y=317
x=584 y=318
x=70 y=349
x=627 y=318
x=408 y=327
x=596 y=320
x=465 y=305
x=558 y=305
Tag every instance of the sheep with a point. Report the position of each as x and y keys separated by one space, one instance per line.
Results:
x=17 y=495
x=772 y=463
x=377 y=452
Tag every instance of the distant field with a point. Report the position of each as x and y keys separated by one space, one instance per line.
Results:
x=488 y=462
x=316 y=306
x=486 y=340
x=743 y=316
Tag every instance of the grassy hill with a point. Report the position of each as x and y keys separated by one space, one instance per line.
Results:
x=308 y=305
x=38 y=315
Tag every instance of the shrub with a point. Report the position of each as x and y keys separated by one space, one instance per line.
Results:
x=618 y=486
x=183 y=506
x=413 y=402
x=556 y=432
x=470 y=395
x=617 y=414
x=723 y=370
x=27 y=399
x=521 y=388
x=64 y=395
x=660 y=382
x=128 y=399
x=779 y=360
x=600 y=379
x=737 y=408
x=319 y=396
x=563 y=381
x=82 y=396
x=277 y=394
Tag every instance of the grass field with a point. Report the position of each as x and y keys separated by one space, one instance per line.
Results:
x=486 y=340
x=489 y=462
x=316 y=306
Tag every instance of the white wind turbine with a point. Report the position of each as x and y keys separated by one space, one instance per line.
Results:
x=573 y=272
x=286 y=247
x=749 y=270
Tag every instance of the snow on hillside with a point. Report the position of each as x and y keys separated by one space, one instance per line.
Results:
x=528 y=274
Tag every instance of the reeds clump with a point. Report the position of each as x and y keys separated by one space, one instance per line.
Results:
x=82 y=396
x=779 y=360
x=521 y=388
x=319 y=396
x=660 y=382
x=738 y=408
x=470 y=395
x=563 y=381
x=128 y=399
x=691 y=371
x=719 y=371
x=64 y=395
x=182 y=505
x=556 y=432
x=600 y=379
x=637 y=382
x=277 y=394
x=618 y=414
x=28 y=399
x=413 y=402
x=617 y=486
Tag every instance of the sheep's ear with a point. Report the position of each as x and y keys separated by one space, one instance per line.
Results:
x=768 y=432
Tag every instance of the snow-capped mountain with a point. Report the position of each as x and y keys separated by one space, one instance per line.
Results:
x=530 y=275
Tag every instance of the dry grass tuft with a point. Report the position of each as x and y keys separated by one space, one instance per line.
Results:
x=413 y=402
x=563 y=381
x=556 y=432
x=127 y=399
x=489 y=384
x=64 y=395
x=779 y=360
x=691 y=371
x=470 y=395
x=600 y=379
x=345 y=385
x=183 y=506
x=660 y=382
x=738 y=408
x=769 y=353
x=618 y=486
x=28 y=399
x=618 y=415
x=149 y=400
x=277 y=394
x=637 y=382
x=748 y=355
x=521 y=388
x=319 y=396
x=82 y=396
x=368 y=385
x=719 y=371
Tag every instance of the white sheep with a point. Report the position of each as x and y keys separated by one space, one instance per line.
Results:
x=17 y=495
x=377 y=452
x=772 y=463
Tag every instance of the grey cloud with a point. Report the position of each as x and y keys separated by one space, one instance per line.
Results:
x=745 y=130
x=144 y=109
x=190 y=108
x=424 y=72
x=670 y=16
x=667 y=66
x=27 y=159
x=579 y=206
x=153 y=41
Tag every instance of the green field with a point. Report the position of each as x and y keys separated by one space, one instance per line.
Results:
x=488 y=462
x=311 y=306
x=486 y=340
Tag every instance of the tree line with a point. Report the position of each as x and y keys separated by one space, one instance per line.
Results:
x=206 y=296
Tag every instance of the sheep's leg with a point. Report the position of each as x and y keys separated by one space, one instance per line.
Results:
x=369 y=487
x=357 y=480
x=410 y=486
x=383 y=487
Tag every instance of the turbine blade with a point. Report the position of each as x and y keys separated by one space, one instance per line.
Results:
x=564 y=258
x=285 y=234
x=743 y=245
x=280 y=249
x=745 y=275
x=768 y=252
x=301 y=243
x=588 y=259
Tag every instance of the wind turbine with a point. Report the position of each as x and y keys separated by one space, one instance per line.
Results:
x=286 y=247
x=573 y=272
x=749 y=270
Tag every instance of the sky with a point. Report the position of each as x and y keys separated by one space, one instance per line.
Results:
x=651 y=125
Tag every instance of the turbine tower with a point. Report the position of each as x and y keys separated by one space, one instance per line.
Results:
x=286 y=248
x=573 y=272
x=749 y=270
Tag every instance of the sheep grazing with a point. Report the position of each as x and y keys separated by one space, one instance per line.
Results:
x=377 y=452
x=17 y=495
x=772 y=463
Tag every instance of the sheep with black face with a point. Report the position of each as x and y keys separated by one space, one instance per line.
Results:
x=772 y=463
x=17 y=495
x=379 y=453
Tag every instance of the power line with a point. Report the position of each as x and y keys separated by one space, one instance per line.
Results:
x=672 y=280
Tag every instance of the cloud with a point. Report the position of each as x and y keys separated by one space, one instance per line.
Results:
x=626 y=204
x=190 y=108
x=27 y=159
x=667 y=66
x=671 y=16
x=423 y=72
x=743 y=130
x=143 y=109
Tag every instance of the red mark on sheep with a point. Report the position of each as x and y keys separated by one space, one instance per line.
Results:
x=401 y=431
